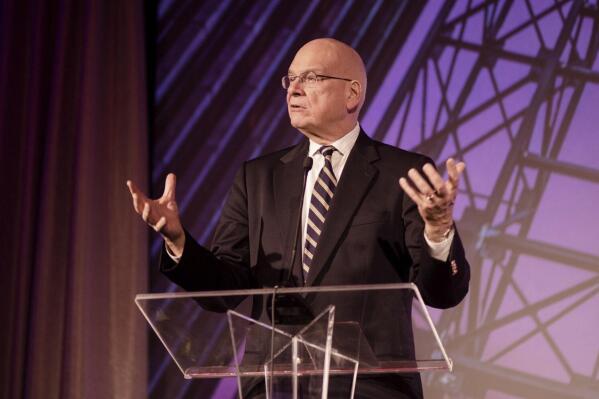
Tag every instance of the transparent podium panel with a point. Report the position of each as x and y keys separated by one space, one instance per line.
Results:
x=309 y=342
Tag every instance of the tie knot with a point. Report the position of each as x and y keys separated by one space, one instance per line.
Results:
x=327 y=150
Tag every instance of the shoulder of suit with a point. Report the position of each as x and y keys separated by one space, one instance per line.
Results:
x=392 y=153
x=270 y=158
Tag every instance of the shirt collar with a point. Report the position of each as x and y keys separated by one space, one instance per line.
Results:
x=343 y=144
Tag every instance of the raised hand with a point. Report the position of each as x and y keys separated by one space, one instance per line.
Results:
x=435 y=204
x=161 y=214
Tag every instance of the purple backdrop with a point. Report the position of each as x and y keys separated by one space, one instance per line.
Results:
x=509 y=87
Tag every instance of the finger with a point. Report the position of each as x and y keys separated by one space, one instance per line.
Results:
x=161 y=223
x=407 y=188
x=169 y=187
x=134 y=190
x=421 y=184
x=132 y=187
x=129 y=186
x=435 y=178
x=460 y=167
x=451 y=169
x=454 y=171
x=134 y=196
x=146 y=212
x=137 y=204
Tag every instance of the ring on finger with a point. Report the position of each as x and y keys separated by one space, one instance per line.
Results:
x=431 y=196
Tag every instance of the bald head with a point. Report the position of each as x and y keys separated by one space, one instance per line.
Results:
x=338 y=58
x=330 y=108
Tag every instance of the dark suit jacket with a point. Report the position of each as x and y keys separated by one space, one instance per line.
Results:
x=372 y=234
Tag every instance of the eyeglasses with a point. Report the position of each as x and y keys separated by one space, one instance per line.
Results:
x=308 y=79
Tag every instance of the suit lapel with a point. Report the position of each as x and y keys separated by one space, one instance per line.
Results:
x=356 y=179
x=287 y=185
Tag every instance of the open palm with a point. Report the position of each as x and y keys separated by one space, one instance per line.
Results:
x=161 y=214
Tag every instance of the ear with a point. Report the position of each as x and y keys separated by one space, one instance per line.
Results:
x=353 y=96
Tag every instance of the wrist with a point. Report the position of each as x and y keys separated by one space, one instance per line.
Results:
x=176 y=245
x=437 y=234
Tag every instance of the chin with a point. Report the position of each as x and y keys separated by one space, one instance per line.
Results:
x=296 y=122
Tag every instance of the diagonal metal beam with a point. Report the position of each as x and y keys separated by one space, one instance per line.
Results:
x=540 y=249
x=546 y=79
x=561 y=167
x=412 y=74
x=572 y=71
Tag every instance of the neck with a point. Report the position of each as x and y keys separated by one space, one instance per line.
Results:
x=328 y=137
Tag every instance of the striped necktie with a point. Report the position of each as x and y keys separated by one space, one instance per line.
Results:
x=322 y=195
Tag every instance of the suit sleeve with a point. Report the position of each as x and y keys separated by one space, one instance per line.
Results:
x=226 y=264
x=441 y=284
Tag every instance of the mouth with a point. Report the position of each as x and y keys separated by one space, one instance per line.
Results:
x=295 y=107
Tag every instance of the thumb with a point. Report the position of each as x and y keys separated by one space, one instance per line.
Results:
x=169 y=187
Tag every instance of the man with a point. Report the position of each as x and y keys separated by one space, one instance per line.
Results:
x=357 y=225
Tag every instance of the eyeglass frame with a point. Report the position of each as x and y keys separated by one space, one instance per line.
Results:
x=302 y=78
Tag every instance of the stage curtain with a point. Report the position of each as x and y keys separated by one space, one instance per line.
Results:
x=73 y=128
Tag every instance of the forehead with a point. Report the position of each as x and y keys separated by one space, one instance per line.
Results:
x=317 y=59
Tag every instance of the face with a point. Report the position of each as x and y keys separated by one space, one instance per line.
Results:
x=320 y=111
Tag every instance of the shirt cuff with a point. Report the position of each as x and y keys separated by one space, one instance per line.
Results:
x=440 y=250
x=175 y=259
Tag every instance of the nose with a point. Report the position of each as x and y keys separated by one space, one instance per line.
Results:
x=295 y=88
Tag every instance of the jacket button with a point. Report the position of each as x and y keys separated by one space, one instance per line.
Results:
x=454 y=268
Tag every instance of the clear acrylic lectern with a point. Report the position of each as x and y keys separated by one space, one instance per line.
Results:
x=281 y=341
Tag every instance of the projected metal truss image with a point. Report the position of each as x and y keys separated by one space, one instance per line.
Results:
x=499 y=84
x=510 y=87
